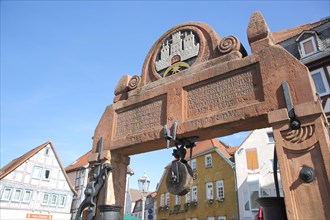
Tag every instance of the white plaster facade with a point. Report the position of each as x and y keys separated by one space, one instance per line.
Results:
x=258 y=181
x=35 y=186
x=79 y=179
x=78 y=172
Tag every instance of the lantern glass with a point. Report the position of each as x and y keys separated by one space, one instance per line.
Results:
x=144 y=183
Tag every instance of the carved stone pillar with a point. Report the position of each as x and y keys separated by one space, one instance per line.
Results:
x=119 y=164
x=303 y=156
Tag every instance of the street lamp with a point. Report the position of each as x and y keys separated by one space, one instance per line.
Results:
x=144 y=183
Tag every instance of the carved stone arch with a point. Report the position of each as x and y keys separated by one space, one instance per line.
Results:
x=207 y=38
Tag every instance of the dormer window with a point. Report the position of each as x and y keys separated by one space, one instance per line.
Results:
x=308 y=47
x=307 y=43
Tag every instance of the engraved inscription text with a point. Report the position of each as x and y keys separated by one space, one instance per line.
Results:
x=139 y=119
x=222 y=94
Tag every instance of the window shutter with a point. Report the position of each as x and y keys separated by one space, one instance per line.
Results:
x=252 y=159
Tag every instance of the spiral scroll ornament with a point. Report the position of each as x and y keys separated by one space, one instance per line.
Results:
x=300 y=135
x=229 y=44
x=134 y=82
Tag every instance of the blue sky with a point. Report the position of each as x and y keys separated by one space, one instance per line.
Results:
x=61 y=61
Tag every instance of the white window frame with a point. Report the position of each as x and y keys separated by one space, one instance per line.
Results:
x=246 y=199
x=44 y=174
x=251 y=185
x=19 y=195
x=7 y=198
x=220 y=189
x=194 y=194
x=270 y=136
x=210 y=218
x=193 y=164
x=167 y=199
x=265 y=192
x=62 y=198
x=177 y=200
x=209 y=191
x=29 y=196
x=37 y=170
x=208 y=160
x=45 y=202
x=221 y=217
x=53 y=202
x=324 y=81
x=302 y=48
x=47 y=151
x=162 y=200
x=188 y=197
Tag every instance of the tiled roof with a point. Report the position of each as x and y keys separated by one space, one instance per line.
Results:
x=20 y=160
x=208 y=145
x=82 y=162
x=232 y=150
x=135 y=194
x=282 y=35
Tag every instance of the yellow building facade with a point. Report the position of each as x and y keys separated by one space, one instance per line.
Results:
x=213 y=194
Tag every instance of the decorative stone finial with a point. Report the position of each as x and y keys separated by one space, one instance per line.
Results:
x=258 y=33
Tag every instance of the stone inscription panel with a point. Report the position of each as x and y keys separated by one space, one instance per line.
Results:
x=140 y=118
x=225 y=92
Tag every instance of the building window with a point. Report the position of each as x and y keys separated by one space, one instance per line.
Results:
x=167 y=201
x=36 y=172
x=17 y=195
x=188 y=197
x=320 y=81
x=265 y=192
x=45 y=199
x=270 y=136
x=208 y=161
x=221 y=217
x=254 y=195
x=271 y=166
x=27 y=196
x=53 y=200
x=209 y=191
x=194 y=193
x=210 y=218
x=252 y=159
x=46 y=175
x=6 y=194
x=246 y=201
x=61 y=200
x=308 y=47
x=177 y=200
x=220 y=189
x=193 y=165
x=47 y=151
x=161 y=200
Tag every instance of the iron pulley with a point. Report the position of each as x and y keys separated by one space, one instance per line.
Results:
x=179 y=175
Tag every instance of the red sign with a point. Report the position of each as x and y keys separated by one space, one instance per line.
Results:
x=39 y=216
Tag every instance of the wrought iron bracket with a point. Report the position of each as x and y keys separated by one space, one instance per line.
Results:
x=167 y=133
x=99 y=175
x=294 y=122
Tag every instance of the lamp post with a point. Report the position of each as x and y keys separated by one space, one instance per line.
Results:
x=144 y=183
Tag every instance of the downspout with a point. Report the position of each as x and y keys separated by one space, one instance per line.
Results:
x=236 y=189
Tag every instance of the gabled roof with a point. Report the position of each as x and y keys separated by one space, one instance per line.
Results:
x=282 y=35
x=135 y=194
x=11 y=166
x=82 y=162
x=208 y=145
x=232 y=150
